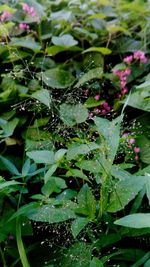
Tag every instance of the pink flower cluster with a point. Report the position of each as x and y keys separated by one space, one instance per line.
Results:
x=137 y=55
x=131 y=144
x=104 y=108
x=30 y=10
x=122 y=75
x=23 y=26
x=5 y=15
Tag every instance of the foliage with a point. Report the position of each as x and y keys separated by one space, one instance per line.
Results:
x=74 y=133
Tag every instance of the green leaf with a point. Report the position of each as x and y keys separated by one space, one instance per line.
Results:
x=80 y=149
x=147 y=180
x=57 y=78
x=26 y=42
x=42 y=156
x=9 y=165
x=50 y=187
x=78 y=224
x=144 y=144
x=59 y=155
x=43 y=96
x=96 y=263
x=9 y=127
x=91 y=102
x=50 y=172
x=124 y=191
x=138 y=220
x=7 y=184
x=73 y=114
x=55 y=49
x=102 y=50
x=26 y=167
x=110 y=130
x=95 y=73
x=87 y=203
x=77 y=173
x=140 y=99
x=51 y=214
x=66 y=40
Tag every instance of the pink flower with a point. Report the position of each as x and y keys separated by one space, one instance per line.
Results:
x=5 y=15
x=127 y=72
x=136 y=150
x=23 y=26
x=124 y=91
x=140 y=55
x=97 y=97
x=29 y=9
x=131 y=141
x=136 y=157
x=128 y=59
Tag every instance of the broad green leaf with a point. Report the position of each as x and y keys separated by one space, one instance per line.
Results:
x=50 y=187
x=115 y=28
x=124 y=191
x=96 y=263
x=57 y=78
x=55 y=49
x=43 y=96
x=95 y=73
x=59 y=155
x=42 y=156
x=91 y=102
x=26 y=167
x=9 y=165
x=110 y=130
x=78 y=224
x=77 y=173
x=25 y=210
x=80 y=149
x=25 y=42
x=50 y=172
x=51 y=214
x=147 y=180
x=138 y=220
x=3 y=185
x=147 y=263
x=140 y=99
x=73 y=114
x=102 y=50
x=144 y=144
x=66 y=40
x=9 y=127
x=86 y=202
x=92 y=166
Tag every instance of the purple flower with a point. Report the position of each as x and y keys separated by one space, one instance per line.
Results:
x=5 y=15
x=97 y=97
x=136 y=150
x=23 y=26
x=128 y=59
x=140 y=55
x=30 y=10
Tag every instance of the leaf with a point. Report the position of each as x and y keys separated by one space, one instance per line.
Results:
x=9 y=127
x=91 y=102
x=124 y=191
x=147 y=180
x=95 y=73
x=26 y=167
x=78 y=224
x=57 y=78
x=66 y=40
x=50 y=187
x=110 y=130
x=87 y=203
x=41 y=156
x=50 y=172
x=144 y=144
x=43 y=96
x=51 y=214
x=59 y=155
x=77 y=173
x=96 y=263
x=140 y=99
x=73 y=114
x=55 y=49
x=138 y=220
x=80 y=149
x=7 y=184
x=102 y=50
x=9 y=165
x=25 y=42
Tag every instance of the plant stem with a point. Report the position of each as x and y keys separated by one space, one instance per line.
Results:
x=3 y=258
x=20 y=245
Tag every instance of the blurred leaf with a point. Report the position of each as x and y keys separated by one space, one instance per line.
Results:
x=43 y=96
x=42 y=156
x=9 y=165
x=78 y=224
x=57 y=78
x=102 y=50
x=138 y=220
x=73 y=114
x=80 y=149
x=25 y=42
x=95 y=73
x=66 y=40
